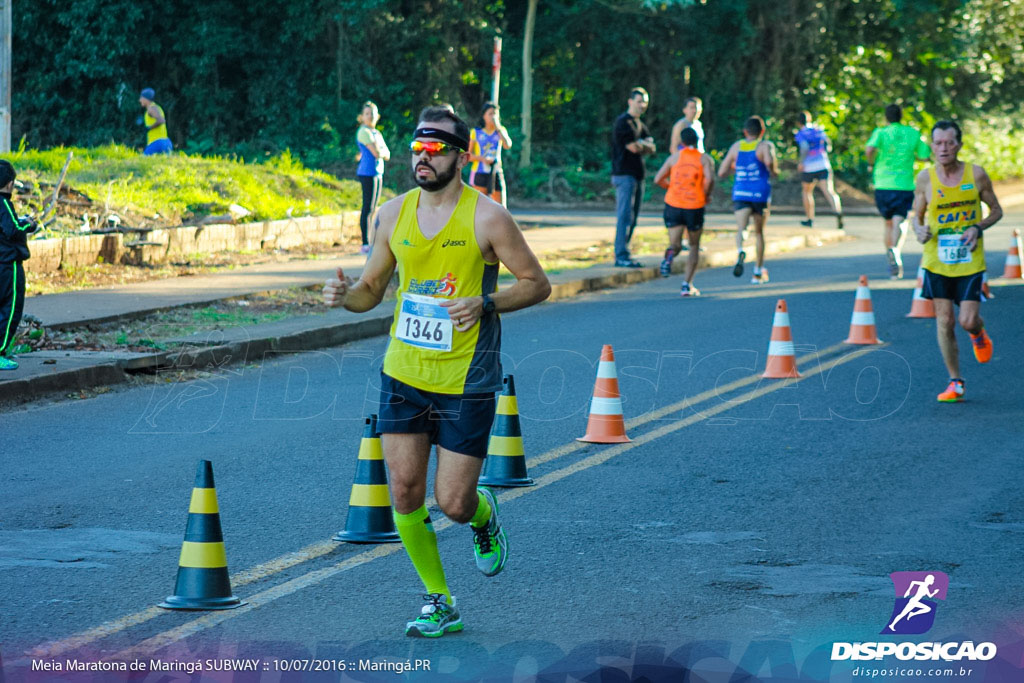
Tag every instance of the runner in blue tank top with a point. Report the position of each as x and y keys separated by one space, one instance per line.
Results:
x=814 y=166
x=752 y=159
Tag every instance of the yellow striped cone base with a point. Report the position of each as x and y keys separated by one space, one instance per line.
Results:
x=370 y=519
x=505 y=466
x=203 y=582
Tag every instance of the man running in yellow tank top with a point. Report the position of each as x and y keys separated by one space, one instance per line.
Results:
x=947 y=221
x=442 y=366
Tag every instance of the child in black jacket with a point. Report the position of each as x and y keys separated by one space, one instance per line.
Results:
x=14 y=234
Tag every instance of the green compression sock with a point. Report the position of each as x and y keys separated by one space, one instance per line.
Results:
x=483 y=512
x=420 y=543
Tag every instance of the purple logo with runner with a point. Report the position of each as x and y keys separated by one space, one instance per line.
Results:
x=916 y=592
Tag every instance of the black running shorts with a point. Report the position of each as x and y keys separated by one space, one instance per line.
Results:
x=811 y=176
x=457 y=422
x=755 y=207
x=894 y=202
x=956 y=289
x=693 y=219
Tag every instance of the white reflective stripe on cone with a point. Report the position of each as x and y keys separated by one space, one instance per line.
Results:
x=781 y=319
x=781 y=348
x=606 y=369
x=605 y=406
x=863 y=293
x=863 y=318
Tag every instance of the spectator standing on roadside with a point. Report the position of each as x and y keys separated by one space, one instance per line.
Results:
x=631 y=142
x=485 y=145
x=692 y=109
x=373 y=152
x=14 y=234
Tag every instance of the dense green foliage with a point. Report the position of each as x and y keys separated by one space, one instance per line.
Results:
x=254 y=79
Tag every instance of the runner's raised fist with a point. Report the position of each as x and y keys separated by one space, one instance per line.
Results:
x=336 y=289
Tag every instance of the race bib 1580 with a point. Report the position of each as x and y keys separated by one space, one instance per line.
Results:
x=424 y=322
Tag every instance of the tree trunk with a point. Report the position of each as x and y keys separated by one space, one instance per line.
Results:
x=339 y=60
x=531 y=19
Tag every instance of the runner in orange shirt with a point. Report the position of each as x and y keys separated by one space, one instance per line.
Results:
x=688 y=175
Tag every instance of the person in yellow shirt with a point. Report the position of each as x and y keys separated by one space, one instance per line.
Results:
x=948 y=221
x=442 y=367
x=157 y=141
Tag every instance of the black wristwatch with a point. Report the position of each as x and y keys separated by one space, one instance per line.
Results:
x=488 y=304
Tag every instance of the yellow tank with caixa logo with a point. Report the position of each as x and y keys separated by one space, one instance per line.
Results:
x=951 y=210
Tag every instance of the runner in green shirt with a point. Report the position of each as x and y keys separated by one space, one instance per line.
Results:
x=891 y=152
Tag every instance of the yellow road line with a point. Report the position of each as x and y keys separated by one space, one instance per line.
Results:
x=258 y=600
x=321 y=548
x=691 y=401
x=289 y=587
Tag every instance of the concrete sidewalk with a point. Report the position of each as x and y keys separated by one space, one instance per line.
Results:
x=42 y=373
x=546 y=234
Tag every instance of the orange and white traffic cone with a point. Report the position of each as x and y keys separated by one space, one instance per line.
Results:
x=1014 y=257
x=862 y=324
x=781 y=354
x=919 y=306
x=606 y=424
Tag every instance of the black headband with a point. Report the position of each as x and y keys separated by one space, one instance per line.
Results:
x=443 y=136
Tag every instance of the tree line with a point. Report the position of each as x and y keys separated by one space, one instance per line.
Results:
x=253 y=79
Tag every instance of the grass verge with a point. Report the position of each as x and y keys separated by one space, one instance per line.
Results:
x=169 y=190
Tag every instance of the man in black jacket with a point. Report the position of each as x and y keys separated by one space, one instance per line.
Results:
x=14 y=234
x=631 y=142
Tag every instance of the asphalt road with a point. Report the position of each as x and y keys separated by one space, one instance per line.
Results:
x=750 y=523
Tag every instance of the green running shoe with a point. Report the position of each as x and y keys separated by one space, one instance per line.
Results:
x=8 y=363
x=489 y=542
x=436 y=618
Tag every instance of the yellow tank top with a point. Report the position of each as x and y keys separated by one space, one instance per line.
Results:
x=951 y=210
x=425 y=350
x=158 y=133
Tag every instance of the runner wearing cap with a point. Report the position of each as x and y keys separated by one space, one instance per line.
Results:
x=155 y=122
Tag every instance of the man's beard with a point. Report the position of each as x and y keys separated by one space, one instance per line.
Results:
x=441 y=178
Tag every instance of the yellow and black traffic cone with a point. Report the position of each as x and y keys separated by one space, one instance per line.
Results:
x=203 y=581
x=506 y=460
x=369 y=506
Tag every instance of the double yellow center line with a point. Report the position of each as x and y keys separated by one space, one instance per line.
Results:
x=322 y=548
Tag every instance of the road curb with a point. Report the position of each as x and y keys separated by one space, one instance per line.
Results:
x=563 y=286
x=621 y=277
